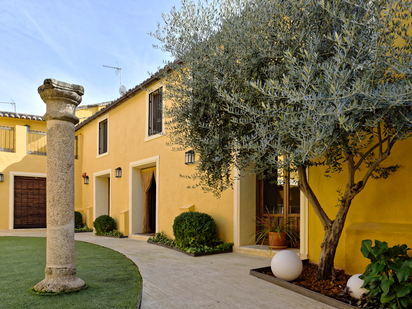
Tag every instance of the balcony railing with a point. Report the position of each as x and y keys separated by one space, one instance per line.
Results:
x=7 y=139
x=36 y=142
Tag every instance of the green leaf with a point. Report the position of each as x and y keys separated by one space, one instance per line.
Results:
x=387 y=298
x=386 y=284
x=380 y=248
x=366 y=247
x=403 y=290
x=406 y=301
x=405 y=271
x=378 y=267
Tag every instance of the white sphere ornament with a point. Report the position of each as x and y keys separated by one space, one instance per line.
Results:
x=354 y=285
x=286 y=265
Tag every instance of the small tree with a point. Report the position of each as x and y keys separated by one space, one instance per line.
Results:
x=314 y=82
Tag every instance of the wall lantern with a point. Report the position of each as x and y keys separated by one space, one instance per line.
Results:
x=118 y=172
x=1 y=177
x=189 y=157
x=86 y=180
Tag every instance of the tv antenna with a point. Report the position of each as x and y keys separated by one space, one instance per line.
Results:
x=11 y=103
x=122 y=89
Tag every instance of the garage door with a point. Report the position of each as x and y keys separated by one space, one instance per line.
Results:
x=29 y=202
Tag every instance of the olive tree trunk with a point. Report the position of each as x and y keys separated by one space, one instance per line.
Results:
x=334 y=228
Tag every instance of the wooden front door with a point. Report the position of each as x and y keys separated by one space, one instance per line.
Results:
x=29 y=202
x=279 y=195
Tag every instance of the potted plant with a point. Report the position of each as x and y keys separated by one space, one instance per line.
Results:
x=278 y=231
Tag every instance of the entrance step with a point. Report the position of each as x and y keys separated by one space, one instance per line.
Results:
x=261 y=250
x=141 y=236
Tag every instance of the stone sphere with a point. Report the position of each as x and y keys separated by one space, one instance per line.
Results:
x=286 y=265
x=354 y=285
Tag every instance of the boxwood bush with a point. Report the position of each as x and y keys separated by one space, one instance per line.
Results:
x=193 y=229
x=78 y=220
x=104 y=224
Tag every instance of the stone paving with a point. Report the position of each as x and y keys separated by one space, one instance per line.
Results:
x=175 y=280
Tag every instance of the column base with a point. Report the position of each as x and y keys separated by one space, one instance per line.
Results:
x=60 y=280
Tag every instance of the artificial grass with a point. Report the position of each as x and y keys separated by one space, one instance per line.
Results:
x=113 y=280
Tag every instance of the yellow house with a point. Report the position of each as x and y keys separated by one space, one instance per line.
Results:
x=23 y=152
x=128 y=137
x=23 y=148
x=125 y=169
x=85 y=111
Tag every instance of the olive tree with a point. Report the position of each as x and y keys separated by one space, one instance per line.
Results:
x=313 y=82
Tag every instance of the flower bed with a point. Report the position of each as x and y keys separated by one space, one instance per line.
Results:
x=115 y=234
x=329 y=292
x=218 y=246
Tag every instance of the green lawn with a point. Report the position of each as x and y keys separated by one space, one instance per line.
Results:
x=113 y=280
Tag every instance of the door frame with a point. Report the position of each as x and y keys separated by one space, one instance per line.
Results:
x=11 y=192
x=136 y=192
x=242 y=221
x=95 y=193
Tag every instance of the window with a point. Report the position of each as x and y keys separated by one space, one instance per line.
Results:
x=155 y=121
x=103 y=137
x=76 y=147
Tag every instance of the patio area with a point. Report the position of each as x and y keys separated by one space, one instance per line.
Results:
x=175 y=280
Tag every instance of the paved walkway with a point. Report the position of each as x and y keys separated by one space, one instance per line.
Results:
x=175 y=280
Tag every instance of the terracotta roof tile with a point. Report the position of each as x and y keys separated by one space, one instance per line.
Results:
x=21 y=116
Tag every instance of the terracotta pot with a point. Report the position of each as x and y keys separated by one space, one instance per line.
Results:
x=276 y=242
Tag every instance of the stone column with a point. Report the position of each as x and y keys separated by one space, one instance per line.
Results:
x=61 y=100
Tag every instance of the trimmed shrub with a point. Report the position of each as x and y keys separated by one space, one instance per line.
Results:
x=192 y=229
x=78 y=220
x=104 y=224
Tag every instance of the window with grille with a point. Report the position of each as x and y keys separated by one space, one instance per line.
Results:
x=155 y=112
x=103 y=136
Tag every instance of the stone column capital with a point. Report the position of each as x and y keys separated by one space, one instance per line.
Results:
x=61 y=100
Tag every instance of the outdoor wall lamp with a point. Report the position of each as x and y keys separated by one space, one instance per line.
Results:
x=118 y=172
x=1 y=177
x=189 y=157
x=86 y=180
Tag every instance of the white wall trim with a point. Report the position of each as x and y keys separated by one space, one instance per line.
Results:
x=11 y=192
x=142 y=164
x=95 y=175
x=236 y=207
x=304 y=223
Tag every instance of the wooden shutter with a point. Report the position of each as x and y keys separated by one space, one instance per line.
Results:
x=103 y=136
x=155 y=120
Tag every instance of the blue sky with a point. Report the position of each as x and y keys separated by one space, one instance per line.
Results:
x=71 y=41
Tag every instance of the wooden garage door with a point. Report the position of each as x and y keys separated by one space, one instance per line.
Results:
x=29 y=202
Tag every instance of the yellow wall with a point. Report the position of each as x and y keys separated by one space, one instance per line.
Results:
x=384 y=206
x=18 y=161
x=83 y=112
x=127 y=134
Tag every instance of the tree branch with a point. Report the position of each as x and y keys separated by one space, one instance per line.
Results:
x=380 y=138
x=351 y=169
x=376 y=163
x=307 y=190
x=368 y=152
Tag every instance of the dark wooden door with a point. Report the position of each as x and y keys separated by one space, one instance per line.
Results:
x=152 y=194
x=29 y=202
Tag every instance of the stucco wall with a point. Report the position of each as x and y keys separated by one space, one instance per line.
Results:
x=382 y=202
x=128 y=144
x=19 y=162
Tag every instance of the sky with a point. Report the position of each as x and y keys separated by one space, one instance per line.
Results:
x=71 y=41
